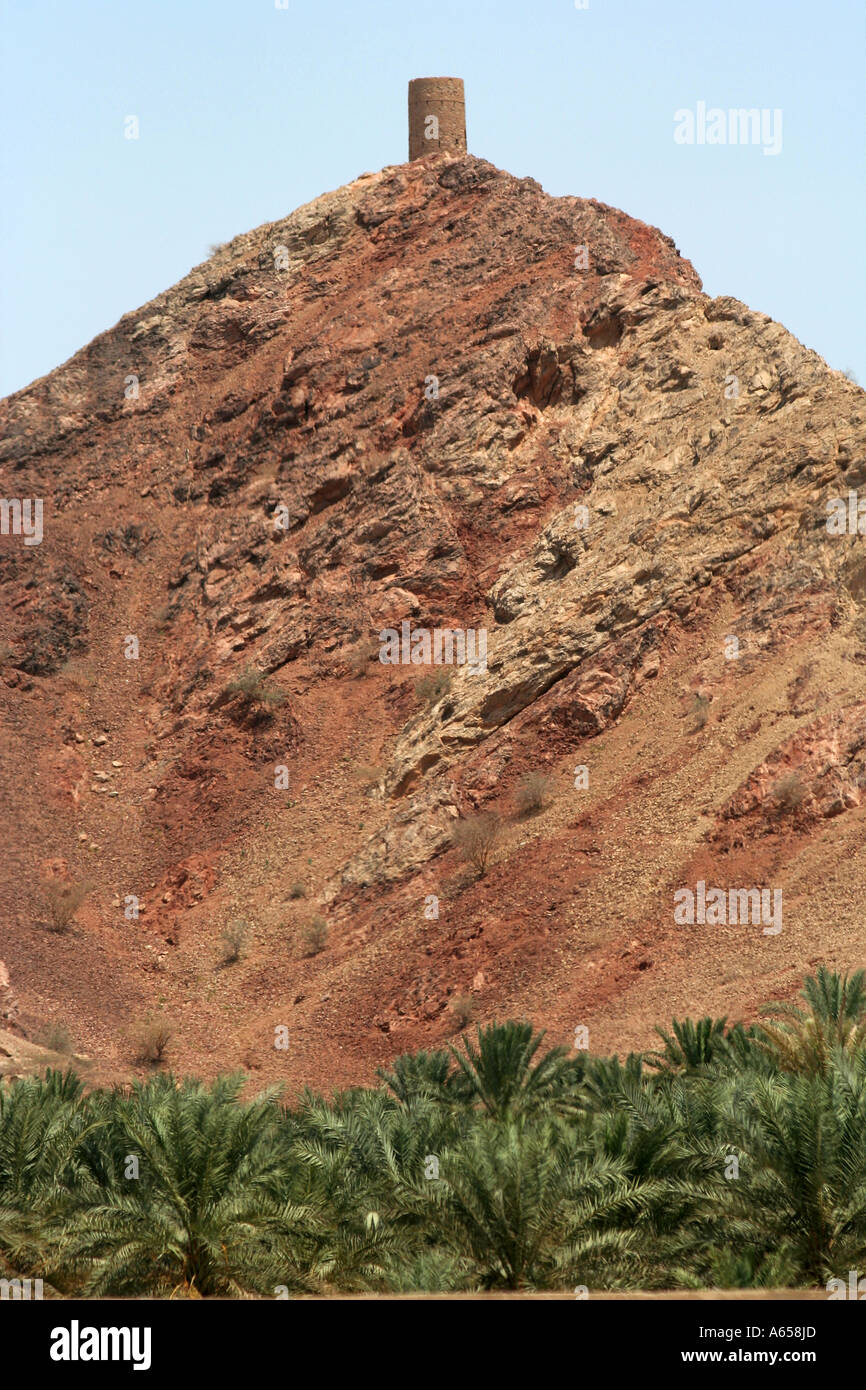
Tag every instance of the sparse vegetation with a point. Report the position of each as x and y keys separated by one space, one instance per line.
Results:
x=434 y=687
x=151 y=1038
x=161 y=617
x=698 y=711
x=532 y=792
x=55 y=1037
x=314 y=936
x=789 y=793
x=61 y=899
x=359 y=657
x=234 y=939
x=369 y=775
x=298 y=890
x=80 y=672
x=252 y=691
x=463 y=1010
x=797 y=686
x=475 y=837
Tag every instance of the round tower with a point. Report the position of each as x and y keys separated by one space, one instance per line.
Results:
x=437 y=116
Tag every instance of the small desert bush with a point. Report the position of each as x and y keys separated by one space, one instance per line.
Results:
x=314 y=936
x=253 y=692
x=463 y=1009
x=789 y=792
x=80 y=672
x=699 y=711
x=61 y=900
x=368 y=775
x=233 y=939
x=150 y=1038
x=359 y=656
x=298 y=890
x=55 y=1037
x=162 y=616
x=531 y=793
x=431 y=689
x=475 y=837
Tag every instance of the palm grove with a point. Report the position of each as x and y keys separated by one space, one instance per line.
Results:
x=731 y=1157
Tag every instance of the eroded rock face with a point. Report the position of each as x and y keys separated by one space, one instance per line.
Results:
x=820 y=771
x=434 y=395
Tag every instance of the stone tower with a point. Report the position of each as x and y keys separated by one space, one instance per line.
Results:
x=437 y=116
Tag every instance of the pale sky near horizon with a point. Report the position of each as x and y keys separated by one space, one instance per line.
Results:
x=247 y=110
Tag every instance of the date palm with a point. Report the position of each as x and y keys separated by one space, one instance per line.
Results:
x=801 y=1188
x=499 y=1075
x=420 y=1074
x=202 y=1209
x=44 y=1127
x=529 y=1208
x=804 y=1040
x=690 y=1046
x=366 y=1162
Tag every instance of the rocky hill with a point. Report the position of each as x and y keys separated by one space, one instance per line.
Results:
x=439 y=397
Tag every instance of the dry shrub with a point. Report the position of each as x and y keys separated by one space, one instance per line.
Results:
x=298 y=890
x=699 y=711
x=314 y=936
x=475 y=837
x=789 y=793
x=252 y=691
x=234 y=938
x=150 y=1038
x=161 y=617
x=80 y=672
x=359 y=656
x=56 y=1038
x=369 y=776
x=433 y=688
x=463 y=1009
x=797 y=686
x=61 y=900
x=531 y=792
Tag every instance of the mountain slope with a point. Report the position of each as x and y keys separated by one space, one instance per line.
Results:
x=392 y=406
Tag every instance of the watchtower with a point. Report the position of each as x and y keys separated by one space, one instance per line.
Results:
x=437 y=116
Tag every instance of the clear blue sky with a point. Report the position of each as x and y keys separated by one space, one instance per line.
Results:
x=246 y=111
